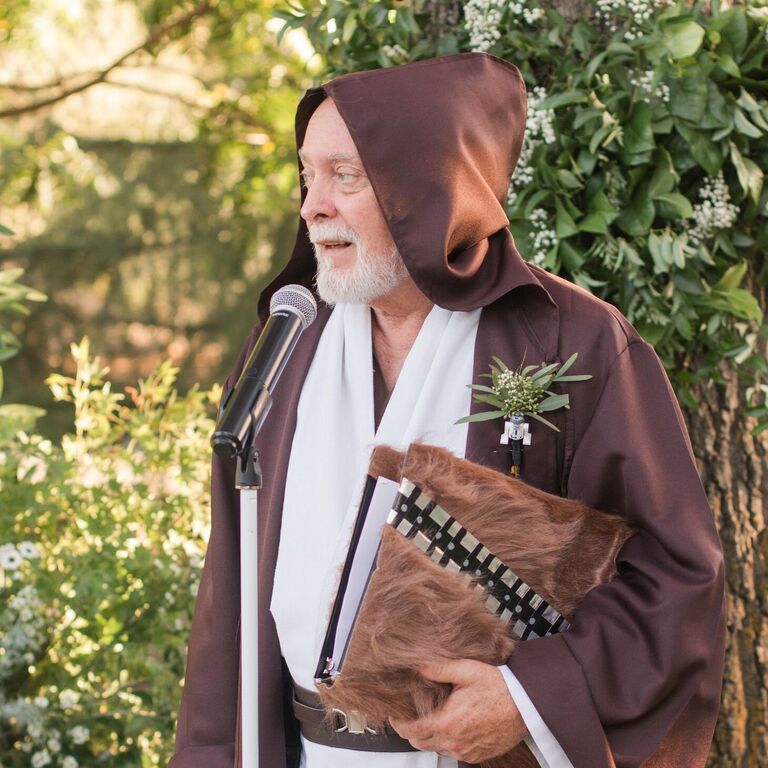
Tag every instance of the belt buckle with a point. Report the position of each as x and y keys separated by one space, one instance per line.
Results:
x=353 y=723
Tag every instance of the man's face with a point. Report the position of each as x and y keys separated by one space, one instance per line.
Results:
x=356 y=256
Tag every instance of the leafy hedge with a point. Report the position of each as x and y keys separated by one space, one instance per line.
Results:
x=643 y=166
x=102 y=542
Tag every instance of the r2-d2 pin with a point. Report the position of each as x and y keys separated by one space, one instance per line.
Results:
x=516 y=434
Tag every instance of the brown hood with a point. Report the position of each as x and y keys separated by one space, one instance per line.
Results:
x=439 y=140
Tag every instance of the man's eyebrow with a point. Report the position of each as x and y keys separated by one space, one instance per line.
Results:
x=335 y=157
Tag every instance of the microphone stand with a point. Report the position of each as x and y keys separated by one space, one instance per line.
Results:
x=249 y=482
x=241 y=416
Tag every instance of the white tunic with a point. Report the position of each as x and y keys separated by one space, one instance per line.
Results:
x=331 y=447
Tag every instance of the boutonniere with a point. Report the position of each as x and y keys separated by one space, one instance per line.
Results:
x=517 y=394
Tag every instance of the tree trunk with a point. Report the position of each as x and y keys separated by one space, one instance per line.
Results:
x=734 y=471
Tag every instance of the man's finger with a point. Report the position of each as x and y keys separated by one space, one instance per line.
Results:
x=455 y=672
x=419 y=730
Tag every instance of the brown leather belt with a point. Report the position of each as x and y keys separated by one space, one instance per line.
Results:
x=343 y=730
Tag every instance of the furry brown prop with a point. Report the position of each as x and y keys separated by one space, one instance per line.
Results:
x=416 y=612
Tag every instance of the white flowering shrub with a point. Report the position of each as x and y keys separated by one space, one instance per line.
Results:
x=641 y=176
x=647 y=87
x=632 y=18
x=543 y=237
x=539 y=132
x=102 y=542
x=715 y=211
x=482 y=19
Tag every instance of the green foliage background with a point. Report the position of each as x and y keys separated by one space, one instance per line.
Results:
x=94 y=623
x=152 y=205
x=614 y=190
x=145 y=232
x=103 y=531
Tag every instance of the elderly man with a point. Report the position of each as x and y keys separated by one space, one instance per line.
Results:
x=404 y=174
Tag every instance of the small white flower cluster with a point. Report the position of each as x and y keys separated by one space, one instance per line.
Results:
x=52 y=747
x=645 y=87
x=640 y=11
x=542 y=238
x=531 y=15
x=68 y=699
x=41 y=758
x=22 y=623
x=80 y=734
x=715 y=211
x=482 y=19
x=33 y=467
x=13 y=555
x=21 y=711
x=44 y=745
x=396 y=53
x=540 y=123
x=539 y=128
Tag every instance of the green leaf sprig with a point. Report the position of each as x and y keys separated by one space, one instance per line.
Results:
x=524 y=391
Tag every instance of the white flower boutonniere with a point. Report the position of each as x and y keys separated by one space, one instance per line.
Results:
x=524 y=392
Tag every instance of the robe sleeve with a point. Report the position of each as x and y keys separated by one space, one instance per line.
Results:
x=540 y=740
x=206 y=726
x=205 y=732
x=642 y=662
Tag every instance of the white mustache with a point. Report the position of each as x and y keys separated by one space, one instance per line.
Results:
x=333 y=232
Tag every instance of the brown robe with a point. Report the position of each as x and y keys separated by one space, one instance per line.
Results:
x=636 y=680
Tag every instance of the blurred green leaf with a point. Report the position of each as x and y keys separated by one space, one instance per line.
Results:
x=683 y=38
x=636 y=218
x=732 y=278
x=749 y=173
x=743 y=125
x=564 y=224
x=677 y=204
x=708 y=154
x=638 y=135
x=688 y=98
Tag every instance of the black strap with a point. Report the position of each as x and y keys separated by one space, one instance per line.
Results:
x=334 y=730
x=442 y=538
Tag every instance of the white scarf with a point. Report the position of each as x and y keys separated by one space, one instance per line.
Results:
x=329 y=457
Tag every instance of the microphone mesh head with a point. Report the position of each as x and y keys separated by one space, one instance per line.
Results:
x=296 y=299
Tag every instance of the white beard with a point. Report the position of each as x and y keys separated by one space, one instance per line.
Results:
x=372 y=276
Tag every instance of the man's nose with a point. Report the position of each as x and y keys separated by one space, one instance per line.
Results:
x=318 y=203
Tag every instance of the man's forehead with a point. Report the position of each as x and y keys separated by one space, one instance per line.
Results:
x=327 y=137
x=330 y=156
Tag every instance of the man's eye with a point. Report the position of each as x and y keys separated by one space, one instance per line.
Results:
x=306 y=179
x=343 y=176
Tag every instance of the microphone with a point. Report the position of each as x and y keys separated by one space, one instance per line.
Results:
x=291 y=310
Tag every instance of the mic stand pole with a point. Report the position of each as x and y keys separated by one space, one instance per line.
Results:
x=249 y=482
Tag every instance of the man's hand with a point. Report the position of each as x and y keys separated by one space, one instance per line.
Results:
x=476 y=722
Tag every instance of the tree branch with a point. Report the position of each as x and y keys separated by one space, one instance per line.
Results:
x=157 y=34
x=45 y=86
x=156 y=92
x=64 y=79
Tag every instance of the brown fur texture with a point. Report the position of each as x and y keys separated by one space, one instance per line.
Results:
x=416 y=612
